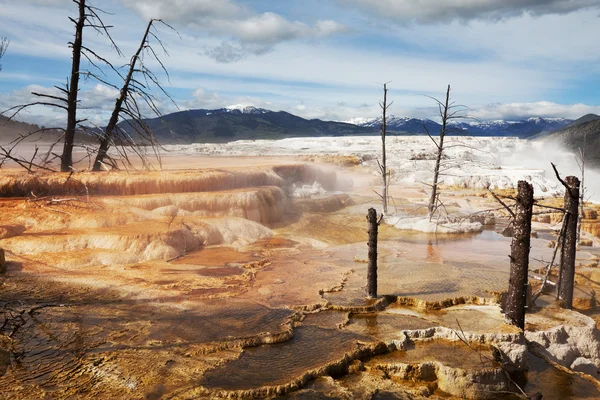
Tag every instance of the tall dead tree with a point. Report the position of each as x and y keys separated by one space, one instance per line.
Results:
x=448 y=111
x=372 y=256
x=66 y=160
x=131 y=94
x=385 y=175
x=566 y=280
x=67 y=97
x=516 y=298
x=581 y=163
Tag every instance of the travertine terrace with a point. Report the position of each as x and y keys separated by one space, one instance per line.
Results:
x=247 y=281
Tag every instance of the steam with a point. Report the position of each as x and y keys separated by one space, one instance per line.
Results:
x=541 y=153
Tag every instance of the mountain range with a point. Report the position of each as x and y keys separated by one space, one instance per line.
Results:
x=525 y=128
x=241 y=122
x=237 y=123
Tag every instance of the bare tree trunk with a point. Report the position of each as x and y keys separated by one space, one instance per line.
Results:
x=582 y=196
x=569 y=248
x=383 y=166
x=440 y=145
x=372 y=266
x=114 y=118
x=67 y=155
x=516 y=299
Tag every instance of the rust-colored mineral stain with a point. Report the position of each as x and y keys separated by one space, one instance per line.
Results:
x=555 y=384
x=385 y=326
x=216 y=256
x=452 y=354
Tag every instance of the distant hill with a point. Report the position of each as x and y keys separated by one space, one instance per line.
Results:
x=11 y=130
x=584 y=130
x=524 y=129
x=584 y=119
x=227 y=124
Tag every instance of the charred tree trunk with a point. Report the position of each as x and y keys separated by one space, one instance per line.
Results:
x=66 y=161
x=114 y=118
x=516 y=298
x=569 y=248
x=2 y=262
x=372 y=266
x=440 y=145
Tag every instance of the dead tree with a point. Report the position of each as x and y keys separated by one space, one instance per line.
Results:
x=516 y=298
x=581 y=163
x=66 y=160
x=566 y=279
x=3 y=46
x=385 y=176
x=67 y=99
x=448 y=112
x=372 y=256
x=127 y=104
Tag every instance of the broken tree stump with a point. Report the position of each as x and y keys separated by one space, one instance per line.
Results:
x=372 y=266
x=516 y=298
x=569 y=248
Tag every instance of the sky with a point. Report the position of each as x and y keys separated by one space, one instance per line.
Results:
x=326 y=59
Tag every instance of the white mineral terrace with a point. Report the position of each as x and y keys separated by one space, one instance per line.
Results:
x=472 y=162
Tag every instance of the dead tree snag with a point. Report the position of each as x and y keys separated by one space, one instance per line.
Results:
x=372 y=266
x=569 y=248
x=516 y=298
x=448 y=111
x=66 y=160
x=385 y=174
x=135 y=93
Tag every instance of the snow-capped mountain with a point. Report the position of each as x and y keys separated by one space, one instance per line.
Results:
x=400 y=124
x=244 y=109
x=522 y=128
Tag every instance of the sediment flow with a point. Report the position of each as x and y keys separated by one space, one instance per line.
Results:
x=249 y=283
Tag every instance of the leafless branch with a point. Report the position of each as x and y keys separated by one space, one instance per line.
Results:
x=503 y=204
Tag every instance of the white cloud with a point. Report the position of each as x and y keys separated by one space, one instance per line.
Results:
x=268 y=28
x=516 y=111
x=433 y=11
x=204 y=100
x=190 y=12
x=255 y=33
x=226 y=52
